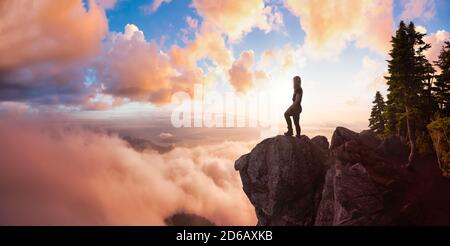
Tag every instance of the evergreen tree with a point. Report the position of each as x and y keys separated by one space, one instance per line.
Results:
x=409 y=84
x=442 y=84
x=393 y=117
x=424 y=104
x=376 y=121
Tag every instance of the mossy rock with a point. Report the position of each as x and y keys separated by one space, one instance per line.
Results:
x=440 y=134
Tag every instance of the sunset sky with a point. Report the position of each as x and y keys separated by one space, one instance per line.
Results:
x=117 y=63
x=123 y=57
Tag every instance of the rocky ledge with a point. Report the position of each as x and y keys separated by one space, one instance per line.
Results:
x=356 y=180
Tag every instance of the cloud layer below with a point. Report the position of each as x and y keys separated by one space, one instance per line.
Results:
x=54 y=175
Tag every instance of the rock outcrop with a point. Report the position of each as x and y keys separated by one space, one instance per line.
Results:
x=358 y=180
x=283 y=178
x=440 y=134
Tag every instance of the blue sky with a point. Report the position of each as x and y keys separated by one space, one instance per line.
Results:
x=331 y=79
x=170 y=18
x=122 y=55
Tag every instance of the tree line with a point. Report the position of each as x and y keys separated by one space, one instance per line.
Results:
x=417 y=93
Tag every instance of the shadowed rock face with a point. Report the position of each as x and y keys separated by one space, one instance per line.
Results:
x=283 y=178
x=358 y=181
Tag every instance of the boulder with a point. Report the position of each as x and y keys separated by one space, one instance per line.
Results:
x=359 y=181
x=321 y=141
x=283 y=178
x=342 y=135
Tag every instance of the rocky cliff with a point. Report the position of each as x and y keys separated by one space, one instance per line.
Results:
x=356 y=180
x=440 y=134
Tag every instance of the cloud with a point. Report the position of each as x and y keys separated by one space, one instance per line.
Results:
x=331 y=24
x=131 y=67
x=372 y=74
x=191 y=22
x=165 y=135
x=436 y=40
x=72 y=60
x=425 y=9
x=237 y=18
x=44 y=46
x=242 y=74
x=49 y=31
x=421 y=29
x=206 y=44
x=154 y=6
x=59 y=175
x=107 y=4
x=14 y=107
x=285 y=59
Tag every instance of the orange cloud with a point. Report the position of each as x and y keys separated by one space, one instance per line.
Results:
x=53 y=175
x=45 y=47
x=49 y=31
x=284 y=59
x=331 y=24
x=242 y=74
x=133 y=68
x=236 y=18
x=418 y=9
x=207 y=44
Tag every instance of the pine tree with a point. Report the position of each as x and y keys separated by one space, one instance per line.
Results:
x=376 y=121
x=442 y=85
x=393 y=116
x=424 y=103
x=424 y=72
x=407 y=69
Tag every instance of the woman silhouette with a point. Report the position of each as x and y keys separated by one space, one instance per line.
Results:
x=295 y=109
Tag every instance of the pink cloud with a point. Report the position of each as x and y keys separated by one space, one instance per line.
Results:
x=425 y=9
x=154 y=6
x=107 y=4
x=436 y=40
x=58 y=175
x=237 y=18
x=191 y=22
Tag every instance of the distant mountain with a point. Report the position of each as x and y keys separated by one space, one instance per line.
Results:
x=141 y=145
x=184 y=219
x=358 y=180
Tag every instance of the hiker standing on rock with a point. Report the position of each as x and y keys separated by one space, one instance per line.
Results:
x=295 y=109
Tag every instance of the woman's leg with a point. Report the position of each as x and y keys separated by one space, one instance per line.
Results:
x=287 y=116
x=296 y=118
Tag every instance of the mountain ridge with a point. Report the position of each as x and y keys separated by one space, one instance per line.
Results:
x=358 y=180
